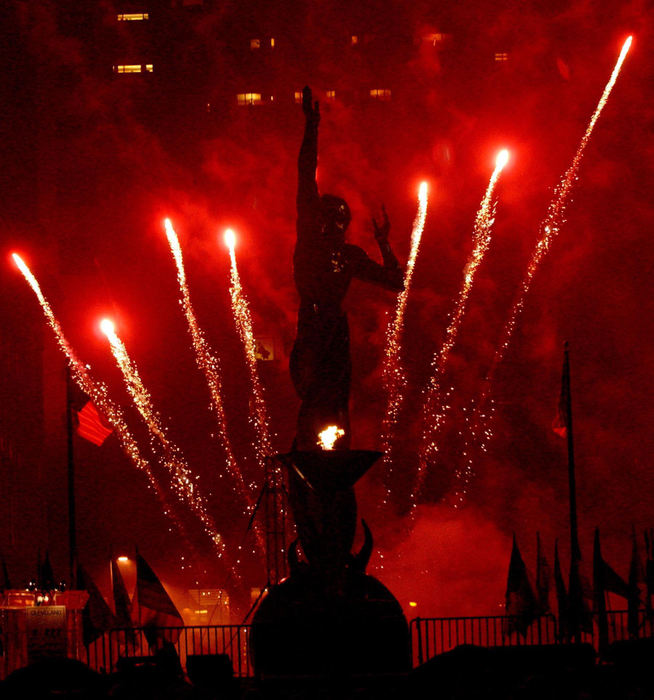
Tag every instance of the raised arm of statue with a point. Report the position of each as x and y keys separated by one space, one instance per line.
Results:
x=307 y=188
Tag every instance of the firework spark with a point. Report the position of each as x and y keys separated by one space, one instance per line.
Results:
x=98 y=393
x=435 y=405
x=184 y=485
x=549 y=228
x=243 y=319
x=209 y=364
x=393 y=372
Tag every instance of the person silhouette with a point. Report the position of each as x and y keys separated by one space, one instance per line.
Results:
x=323 y=267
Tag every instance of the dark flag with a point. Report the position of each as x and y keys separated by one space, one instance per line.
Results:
x=97 y=617
x=598 y=595
x=635 y=577
x=156 y=609
x=122 y=603
x=604 y=579
x=649 y=571
x=543 y=577
x=521 y=605
x=91 y=425
x=561 y=598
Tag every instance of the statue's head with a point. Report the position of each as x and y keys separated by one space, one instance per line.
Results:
x=334 y=216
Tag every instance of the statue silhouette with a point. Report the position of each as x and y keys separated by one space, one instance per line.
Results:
x=323 y=265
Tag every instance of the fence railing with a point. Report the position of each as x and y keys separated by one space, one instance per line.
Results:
x=429 y=637
x=433 y=636
x=103 y=654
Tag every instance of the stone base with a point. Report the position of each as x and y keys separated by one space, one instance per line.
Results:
x=301 y=629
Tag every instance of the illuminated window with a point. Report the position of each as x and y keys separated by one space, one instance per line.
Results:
x=382 y=94
x=330 y=94
x=501 y=57
x=298 y=97
x=248 y=98
x=435 y=38
x=272 y=42
x=255 y=44
x=132 y=16
x=134 y=68
x=354 y=40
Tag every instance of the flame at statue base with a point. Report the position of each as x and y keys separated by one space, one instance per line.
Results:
x=328 y=617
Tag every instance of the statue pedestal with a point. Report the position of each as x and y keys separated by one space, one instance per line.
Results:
x=328 y=618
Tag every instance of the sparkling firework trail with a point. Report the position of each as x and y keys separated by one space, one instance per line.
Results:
x=549 y=228
x=241 y=310
x=98 y=393
x=184 y=485
x=435 y=405
x=210 y=366
x=393 y=372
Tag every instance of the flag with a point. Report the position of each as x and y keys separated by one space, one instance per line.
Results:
x=543 y=576
x=97 y=617
x=521 y=605
x=599 y=599
x=561 y=422
x=635 y=577
x=649 y=571
x=579 y=615
x=122 y=603
x=156 y=609
x=91 y=425
x=561 y=598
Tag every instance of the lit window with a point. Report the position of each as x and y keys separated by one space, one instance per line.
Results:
x=382 y=94
x=298 y=97
x=255 y=44
x=272 y=42
x=354 y=40
x=248 y=98
x=330 y=94
x=501 y=57
x=435 y=38
x=134 y=68
x=132 y=16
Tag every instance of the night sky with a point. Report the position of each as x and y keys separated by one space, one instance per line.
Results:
x=93 y=165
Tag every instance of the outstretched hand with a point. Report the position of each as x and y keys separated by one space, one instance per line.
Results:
x=381 y=232
x=311 y=109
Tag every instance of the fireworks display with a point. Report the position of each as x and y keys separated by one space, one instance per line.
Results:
x=184 y=484
x=393 y=372
x=435 y=405
x=550 y=226
x=97 y=392
x=209 y=364
x=258 y=411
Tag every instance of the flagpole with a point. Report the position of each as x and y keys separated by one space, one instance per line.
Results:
x=72 y=530
x=575 y=550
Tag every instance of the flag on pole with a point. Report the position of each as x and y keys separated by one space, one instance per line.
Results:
x=97 y=617
x=156 y=609
x=635 y=577
x=521 y=606
x=91 y=425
